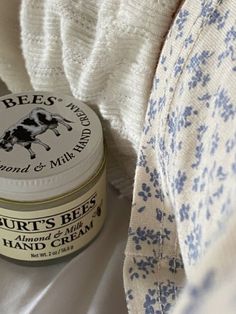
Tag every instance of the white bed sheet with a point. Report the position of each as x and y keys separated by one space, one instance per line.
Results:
x=90 y=283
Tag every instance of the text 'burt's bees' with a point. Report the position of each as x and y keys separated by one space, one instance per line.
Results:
x=52 y=176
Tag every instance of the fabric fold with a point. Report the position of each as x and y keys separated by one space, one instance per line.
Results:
x=184 y=191
x=103 y=53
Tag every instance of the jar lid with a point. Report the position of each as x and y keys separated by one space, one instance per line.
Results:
x=49 y=145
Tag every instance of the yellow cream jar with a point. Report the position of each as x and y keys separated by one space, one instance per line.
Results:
x=52 y=176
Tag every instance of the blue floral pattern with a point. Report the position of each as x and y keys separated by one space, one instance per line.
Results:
x=161 y=296
x=186 y=171
x=197 y=293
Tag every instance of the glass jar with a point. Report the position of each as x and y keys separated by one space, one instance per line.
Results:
x=52 y=177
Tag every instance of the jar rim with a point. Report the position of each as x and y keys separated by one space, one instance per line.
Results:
x=70 y=193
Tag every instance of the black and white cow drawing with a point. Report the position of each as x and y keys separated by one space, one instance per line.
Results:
x=24 y=131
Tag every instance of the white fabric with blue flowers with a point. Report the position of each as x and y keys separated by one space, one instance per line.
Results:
x=181 y=251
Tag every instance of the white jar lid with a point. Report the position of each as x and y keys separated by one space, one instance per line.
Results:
x=49 y=145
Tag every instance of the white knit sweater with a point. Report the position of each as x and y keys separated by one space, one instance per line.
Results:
x=104 y=52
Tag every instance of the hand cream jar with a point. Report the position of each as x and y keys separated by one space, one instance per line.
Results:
x=52 y=176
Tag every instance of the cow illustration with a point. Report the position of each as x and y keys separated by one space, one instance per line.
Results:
x=24 y=131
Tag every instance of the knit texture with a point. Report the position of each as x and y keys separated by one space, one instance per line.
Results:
x=103 y=53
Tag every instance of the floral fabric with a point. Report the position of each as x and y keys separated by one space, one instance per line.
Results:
x=181 y=246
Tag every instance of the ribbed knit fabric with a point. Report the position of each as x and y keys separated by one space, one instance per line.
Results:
x=105 y=54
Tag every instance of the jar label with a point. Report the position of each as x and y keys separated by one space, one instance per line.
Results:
x=55 y=232
x=33 y=126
